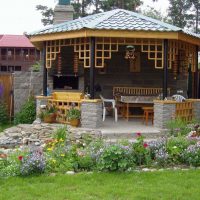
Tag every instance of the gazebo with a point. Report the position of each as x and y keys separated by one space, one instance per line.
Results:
x=121 y=48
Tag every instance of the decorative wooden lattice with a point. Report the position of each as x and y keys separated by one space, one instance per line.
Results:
x=103 y=50
x=104 y=47
x=184 y=52
x=184 y=111
x=155 y=51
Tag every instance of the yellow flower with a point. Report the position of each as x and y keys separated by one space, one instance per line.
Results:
x=54 y=161
x=50 y=149
x=62 y=155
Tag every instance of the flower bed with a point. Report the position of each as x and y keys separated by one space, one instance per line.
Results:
x=61 y=154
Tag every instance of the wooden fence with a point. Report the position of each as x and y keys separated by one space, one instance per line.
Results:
x=6 y=91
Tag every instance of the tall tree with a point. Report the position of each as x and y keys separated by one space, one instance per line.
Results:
x=178 y=12
x=47 y=14
x=124 y=4
x=153 y=13
x=194 y=16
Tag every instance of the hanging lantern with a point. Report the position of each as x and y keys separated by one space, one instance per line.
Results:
x=59 y=66
x=130 y=52
x=175 y=67
x=76 y=58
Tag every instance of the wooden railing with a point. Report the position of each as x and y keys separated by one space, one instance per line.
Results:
x=185 y=110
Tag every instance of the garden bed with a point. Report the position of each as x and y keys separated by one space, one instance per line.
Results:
x=66 y=152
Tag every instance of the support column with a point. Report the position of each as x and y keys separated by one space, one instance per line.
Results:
x=44 y=70
x=92 y=66
x=165 y=69
x=197 y=75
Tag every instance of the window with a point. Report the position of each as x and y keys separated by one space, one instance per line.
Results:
x=3 y=68
x=18 y=68
x=11 y=68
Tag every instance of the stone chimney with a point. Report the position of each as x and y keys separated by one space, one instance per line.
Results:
x=63 y=12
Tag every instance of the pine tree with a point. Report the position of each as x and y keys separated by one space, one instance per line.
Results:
x=47 y=14
x=178 y=12
x=194 y=16
x=124 y=4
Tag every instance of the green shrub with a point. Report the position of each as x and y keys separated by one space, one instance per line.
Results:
x=175 y=148
x=3 y=113
x=27 y=114
x=115 y=157
x=191 y=155
x=61 y=134
x=141 y=151
x=73 y=113
x=178 y=127
x=85 y=163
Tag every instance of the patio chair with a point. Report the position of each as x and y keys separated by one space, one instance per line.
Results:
x=178 y=98
x=106 y=103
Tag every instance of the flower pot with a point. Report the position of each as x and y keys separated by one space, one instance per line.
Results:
x=74 y=122
x=51 y=118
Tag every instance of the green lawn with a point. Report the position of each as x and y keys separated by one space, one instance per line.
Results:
x=4 y=126
x=169 y=185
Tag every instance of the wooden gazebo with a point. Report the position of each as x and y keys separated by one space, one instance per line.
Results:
x=99 y=42
x=97 y=37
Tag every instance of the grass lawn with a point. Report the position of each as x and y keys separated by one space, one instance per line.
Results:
x=4 y=126
x=169 y=185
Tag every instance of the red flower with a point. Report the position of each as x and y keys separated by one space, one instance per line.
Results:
x=138 y=134
x=145 y=145
x=20 y=158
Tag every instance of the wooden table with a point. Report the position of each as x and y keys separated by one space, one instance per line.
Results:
x=134 y=104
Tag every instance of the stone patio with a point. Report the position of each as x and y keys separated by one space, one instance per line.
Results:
x=124 y=129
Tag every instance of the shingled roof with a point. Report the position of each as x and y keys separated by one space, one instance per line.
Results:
x=15 y=41
x=117 y=19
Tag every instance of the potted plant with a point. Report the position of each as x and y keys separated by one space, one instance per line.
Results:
x=48 y=115
x=73 y=116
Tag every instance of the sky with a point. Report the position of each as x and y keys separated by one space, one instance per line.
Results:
x=19 y=16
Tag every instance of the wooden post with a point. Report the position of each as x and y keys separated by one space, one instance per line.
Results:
x=197 y=75
x=44 y=70
x=165 y=69
x=92 y=67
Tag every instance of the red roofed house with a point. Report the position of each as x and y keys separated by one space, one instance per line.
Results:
x=17 y=56
x=17 y=53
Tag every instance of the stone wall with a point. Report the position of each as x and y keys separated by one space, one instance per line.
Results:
x=26 y=83
x=91 y=114
x=163 y=113
x=196 y=105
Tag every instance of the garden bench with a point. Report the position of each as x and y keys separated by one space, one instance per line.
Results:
x=63 y=101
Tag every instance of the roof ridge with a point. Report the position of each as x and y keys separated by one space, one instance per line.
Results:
x=106 y=15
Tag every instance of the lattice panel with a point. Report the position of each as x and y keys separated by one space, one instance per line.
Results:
x=52 y=49
x=184 y=111
x=175 y=47
x=105 y=46
x=103 y=50
x=81 y=46
x=155 y=51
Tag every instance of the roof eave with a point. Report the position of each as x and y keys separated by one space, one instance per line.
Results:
x=37 y=39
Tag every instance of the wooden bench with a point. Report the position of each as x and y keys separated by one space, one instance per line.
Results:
x=63 y=101
x=139 y=92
